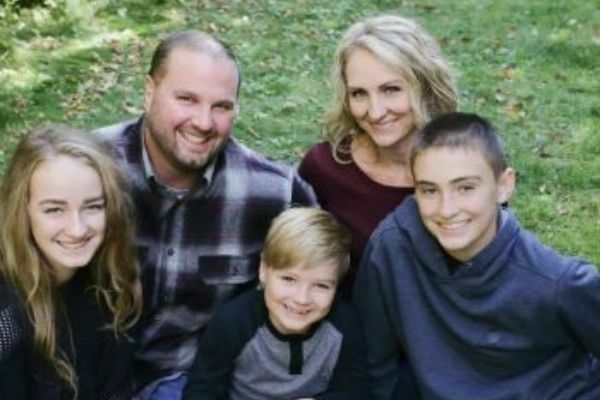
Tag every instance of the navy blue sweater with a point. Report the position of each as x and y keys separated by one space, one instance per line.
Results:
x=518 y=321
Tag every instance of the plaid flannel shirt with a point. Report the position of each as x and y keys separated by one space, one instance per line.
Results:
x=199 y=248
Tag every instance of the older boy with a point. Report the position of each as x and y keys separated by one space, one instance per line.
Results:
x=479 y=306
x=290 y=339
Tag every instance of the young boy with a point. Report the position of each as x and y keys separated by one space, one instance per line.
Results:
x=481 y=309
x=290 y=339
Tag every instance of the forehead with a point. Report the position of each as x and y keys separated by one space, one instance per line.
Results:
x=445 y=164
x=363 y=68
x=313 y=271
x=189 y=67
x=65 y=177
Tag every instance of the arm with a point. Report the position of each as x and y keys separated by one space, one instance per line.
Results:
x=302 y=193
x=349 y=380
x=115 y=367
x=387 y=367
x=14 y=373
x=579 y=302
x=209 y=377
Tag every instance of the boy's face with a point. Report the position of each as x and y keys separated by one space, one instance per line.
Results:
x=458 y=198
x=297 y=296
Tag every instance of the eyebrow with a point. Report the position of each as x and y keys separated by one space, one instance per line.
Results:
x=61 y=202
x=387 y=83
x=460 y=179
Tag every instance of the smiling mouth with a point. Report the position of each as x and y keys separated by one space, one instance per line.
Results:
x=452 y=226
x=74 y=246
x=295 y=312
x=194 y=139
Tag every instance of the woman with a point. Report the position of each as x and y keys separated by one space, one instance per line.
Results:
x=69 y=286
x=390 y=78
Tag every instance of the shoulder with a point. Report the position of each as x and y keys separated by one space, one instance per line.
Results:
x=319 y=151
x=529 y=254
x=344 y=316
x=120 y=136
x=239 y=156
x=244 y=312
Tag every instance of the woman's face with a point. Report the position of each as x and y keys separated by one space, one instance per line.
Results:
x=66 y=212
x=378 y=98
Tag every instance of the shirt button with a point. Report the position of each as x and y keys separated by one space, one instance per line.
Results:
x=170 y=252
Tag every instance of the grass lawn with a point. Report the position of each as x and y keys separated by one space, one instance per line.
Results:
x=531 y=66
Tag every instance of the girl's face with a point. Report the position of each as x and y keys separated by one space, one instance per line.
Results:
x=66 y=210
x=378 y=98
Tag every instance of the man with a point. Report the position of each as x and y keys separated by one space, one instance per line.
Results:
x=204 y=201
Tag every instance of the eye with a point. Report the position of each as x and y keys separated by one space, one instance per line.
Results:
x=357 y=93
x=185 y=98
x=96 y=207
x=52 y=210
x=466 y=188
x=427 y=191
x=392 y=89
x=324 y=286
x=287 y=278
x=226 y=106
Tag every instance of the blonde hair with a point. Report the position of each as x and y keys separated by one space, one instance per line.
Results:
x=114 y=268
x=307 y=236
x=406 y=47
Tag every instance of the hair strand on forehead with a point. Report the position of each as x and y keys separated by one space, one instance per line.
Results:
x=307 y=236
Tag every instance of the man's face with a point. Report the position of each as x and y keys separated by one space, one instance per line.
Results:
x=190 y=112
x=458 y=196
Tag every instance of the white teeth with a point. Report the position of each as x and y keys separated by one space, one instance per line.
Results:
x=193 y=138
x=296 y=312
x=72 y=246
x=453 y=225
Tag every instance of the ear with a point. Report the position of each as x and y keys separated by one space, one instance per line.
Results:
x=149 y=87
x=506 y=185
x=262 y=272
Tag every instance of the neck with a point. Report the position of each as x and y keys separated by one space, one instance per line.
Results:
x=165 y=173
x=387 y=165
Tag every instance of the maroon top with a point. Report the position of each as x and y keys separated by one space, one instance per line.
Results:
x=348 y=193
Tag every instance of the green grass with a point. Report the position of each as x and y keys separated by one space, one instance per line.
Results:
x=531 y=67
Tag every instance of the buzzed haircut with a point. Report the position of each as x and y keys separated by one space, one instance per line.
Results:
x=461 y=130
x=307 y=236
x=201 y=42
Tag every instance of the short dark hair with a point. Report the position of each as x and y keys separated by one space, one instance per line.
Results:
x=193 y=40
x=461 y=130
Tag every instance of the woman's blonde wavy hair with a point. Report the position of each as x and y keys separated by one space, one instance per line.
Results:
x=114 y=268
x=406 y=47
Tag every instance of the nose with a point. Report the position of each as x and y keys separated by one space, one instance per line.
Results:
x=377 y=108
x=203 y=118
x=447 y=207
x=76 y=225
x=302 y=295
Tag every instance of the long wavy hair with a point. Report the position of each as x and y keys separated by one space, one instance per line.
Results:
x=114 y=267
x=407 y=48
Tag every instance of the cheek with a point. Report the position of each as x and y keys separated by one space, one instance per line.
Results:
x=357 y=108
x=325 y=301
x=401 y=105
x=426 y=207
x=224 y=124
